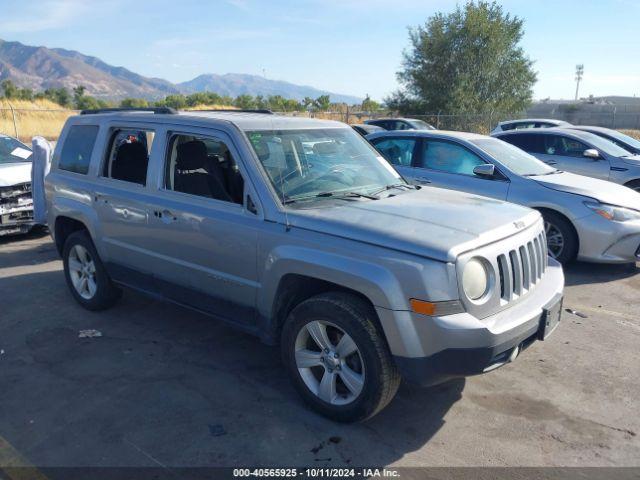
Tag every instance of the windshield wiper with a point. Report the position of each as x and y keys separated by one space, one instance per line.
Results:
x=346 y=195
x=392 y=186
x=337 y=195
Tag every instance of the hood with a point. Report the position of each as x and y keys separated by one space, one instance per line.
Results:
x=431 y=222
x=601 y=190
x=14 y=173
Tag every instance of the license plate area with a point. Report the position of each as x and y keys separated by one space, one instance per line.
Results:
x=550 y=318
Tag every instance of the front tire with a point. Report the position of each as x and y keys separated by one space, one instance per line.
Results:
x=634 y=185
x=562 y=240
x=337 y=358
x=85 y=274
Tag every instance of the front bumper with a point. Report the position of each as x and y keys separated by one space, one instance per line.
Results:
x=16 y=219
x=429 y=350
x=604 y=241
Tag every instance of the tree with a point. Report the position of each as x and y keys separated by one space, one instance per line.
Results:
x=322 y=103
x=9 y=89
x=134 y=103
x=369 y=105
x=466 y=61
x=244 y=102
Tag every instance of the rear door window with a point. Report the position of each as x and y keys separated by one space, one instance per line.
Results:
x=128 y=155
x=77 y=148
x=398 y=151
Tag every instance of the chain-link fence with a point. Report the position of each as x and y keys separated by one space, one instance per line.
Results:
x=25 y=123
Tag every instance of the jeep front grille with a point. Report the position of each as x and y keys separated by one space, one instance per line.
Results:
x=521 y=269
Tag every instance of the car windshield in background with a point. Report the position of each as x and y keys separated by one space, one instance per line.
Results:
x=11 y=151
x=606 y=146
x=319 y=163
x=624 y=138
x=516 y=160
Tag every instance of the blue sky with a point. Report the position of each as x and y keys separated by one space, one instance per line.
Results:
x=346 y=46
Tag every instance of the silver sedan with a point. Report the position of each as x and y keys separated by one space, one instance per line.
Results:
x=586 y=218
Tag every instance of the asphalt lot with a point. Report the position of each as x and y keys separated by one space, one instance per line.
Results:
x=165 y=386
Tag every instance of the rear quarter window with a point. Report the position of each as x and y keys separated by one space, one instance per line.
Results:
x=77 y=148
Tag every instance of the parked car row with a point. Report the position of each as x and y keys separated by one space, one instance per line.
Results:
x=585 y=218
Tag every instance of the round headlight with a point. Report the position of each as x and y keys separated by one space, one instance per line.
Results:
x=475 y=279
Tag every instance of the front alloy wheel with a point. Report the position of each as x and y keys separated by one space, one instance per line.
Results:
x=329 y=362
x=555 y=240
x=82 y=271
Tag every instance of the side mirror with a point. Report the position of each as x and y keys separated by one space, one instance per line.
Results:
x=591 y=153
x=484 y=170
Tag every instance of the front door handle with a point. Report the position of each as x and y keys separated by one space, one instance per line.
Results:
x=551 y=162
x=165 y=215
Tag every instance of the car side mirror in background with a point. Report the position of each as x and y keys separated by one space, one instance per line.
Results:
x=591 y=153
x=485 y=170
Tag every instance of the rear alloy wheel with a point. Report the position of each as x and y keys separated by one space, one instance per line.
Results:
x=86 y=277
x=562 y=241
x=337 y=357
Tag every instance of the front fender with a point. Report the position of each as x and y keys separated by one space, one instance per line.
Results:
x=371 y=280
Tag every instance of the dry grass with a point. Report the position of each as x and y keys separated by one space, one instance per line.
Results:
x=212 y=107
x=40 y=117
x=632 y=133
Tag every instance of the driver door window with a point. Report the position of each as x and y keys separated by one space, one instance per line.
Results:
x=204 y=167
x=449 y=157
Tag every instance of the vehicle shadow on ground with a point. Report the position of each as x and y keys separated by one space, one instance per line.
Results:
x=164 y=385
x=24 y=250
x=581 y=273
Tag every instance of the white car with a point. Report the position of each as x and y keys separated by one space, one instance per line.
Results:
x=16 y=202
x=525 y=123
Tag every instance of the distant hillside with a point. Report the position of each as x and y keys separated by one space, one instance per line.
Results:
x=39 y=68
x=235 y=84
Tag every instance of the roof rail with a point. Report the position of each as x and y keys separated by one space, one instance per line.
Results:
x=224 y=110
x=168 y=110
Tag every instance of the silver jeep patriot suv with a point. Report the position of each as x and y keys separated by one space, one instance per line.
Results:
x=296 y=230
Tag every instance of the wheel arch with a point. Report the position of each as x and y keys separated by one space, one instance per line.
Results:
x=293 y=276
x=542 y=210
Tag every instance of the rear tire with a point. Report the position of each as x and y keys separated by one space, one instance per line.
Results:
x=562 y=240
x=354 y=376
x=85 y=274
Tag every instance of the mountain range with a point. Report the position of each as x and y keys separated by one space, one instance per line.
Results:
x=39 y=68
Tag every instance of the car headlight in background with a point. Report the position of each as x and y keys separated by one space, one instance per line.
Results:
x=475 y=279
x=613 y=213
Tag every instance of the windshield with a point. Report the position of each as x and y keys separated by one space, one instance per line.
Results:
x=604 y=145
x=302 y=164
x=11 y=150
x=516 y=160
x=420 y=125
x=623 y=138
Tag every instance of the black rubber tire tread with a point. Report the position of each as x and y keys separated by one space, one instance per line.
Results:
x=633 y=184
x=107 y=293
x=570 y=251
x=358 y=318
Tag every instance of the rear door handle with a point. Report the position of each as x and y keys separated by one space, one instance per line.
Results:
x=551 y=162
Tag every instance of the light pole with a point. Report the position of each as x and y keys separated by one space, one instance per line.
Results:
x=579 y=73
